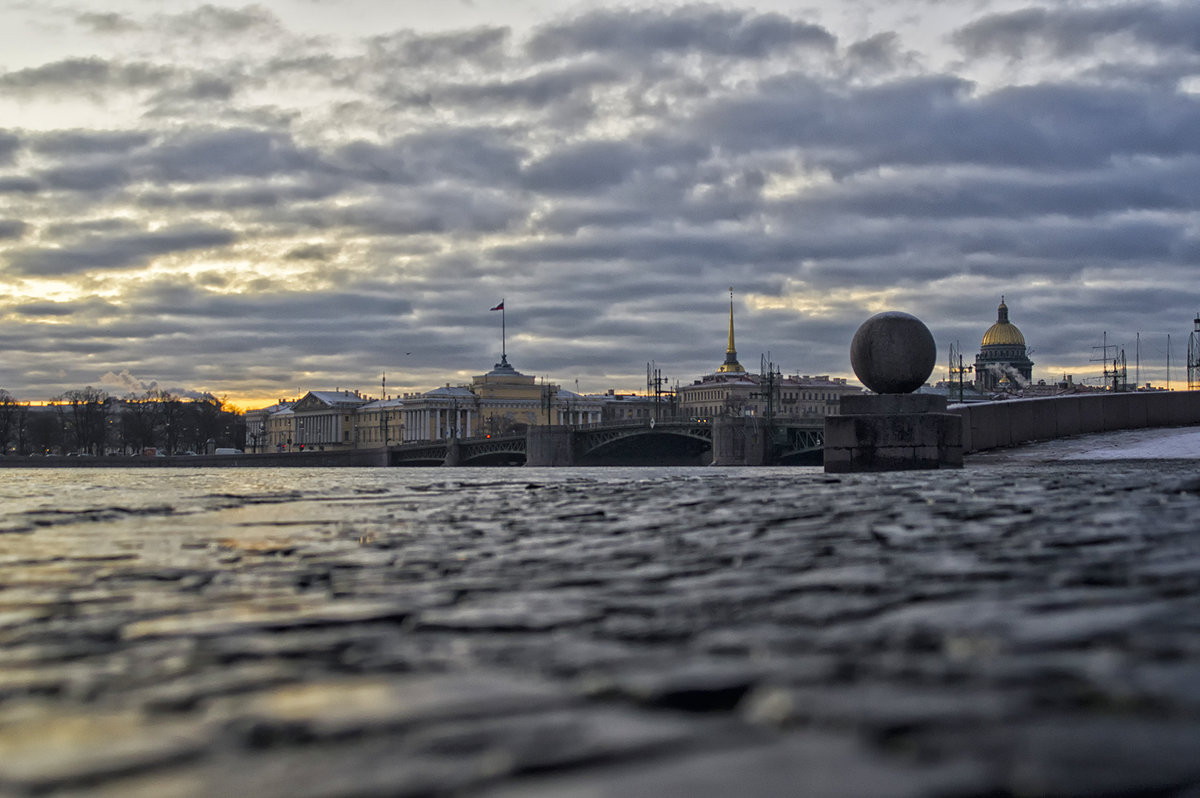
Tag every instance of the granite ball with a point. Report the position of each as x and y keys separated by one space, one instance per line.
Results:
x=893 y=352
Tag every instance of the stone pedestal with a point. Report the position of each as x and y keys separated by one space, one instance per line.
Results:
x=892 y=432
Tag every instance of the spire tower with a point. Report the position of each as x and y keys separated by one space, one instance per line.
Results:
x=731 y=364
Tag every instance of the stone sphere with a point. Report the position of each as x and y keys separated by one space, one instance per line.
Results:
x=893 y=352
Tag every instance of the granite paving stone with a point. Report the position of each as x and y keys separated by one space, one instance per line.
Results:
x=1007 y=629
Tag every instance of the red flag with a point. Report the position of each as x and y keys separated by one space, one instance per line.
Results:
x=500 y=306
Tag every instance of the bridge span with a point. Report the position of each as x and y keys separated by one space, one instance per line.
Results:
x=741 y=441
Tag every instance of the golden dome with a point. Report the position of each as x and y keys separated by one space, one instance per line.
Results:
x=1003 y=332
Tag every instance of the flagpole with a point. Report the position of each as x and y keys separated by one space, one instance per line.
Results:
x=503 y=334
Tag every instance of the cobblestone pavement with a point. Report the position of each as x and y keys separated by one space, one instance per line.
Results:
x=1003 y=630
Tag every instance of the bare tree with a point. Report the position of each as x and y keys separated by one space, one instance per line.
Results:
x=169 y=418
x=9 y=411
x=138 y=416
x=46 y=430
x=86 y=414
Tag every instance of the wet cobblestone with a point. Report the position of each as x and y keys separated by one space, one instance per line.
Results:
x=1010 y=629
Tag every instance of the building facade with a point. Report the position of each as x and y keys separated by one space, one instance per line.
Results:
x=379 y=422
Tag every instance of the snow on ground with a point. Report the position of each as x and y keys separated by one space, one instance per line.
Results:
x=1174 y=443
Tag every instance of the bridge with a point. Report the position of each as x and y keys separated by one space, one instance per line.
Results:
x=737 y=441
x=752 y=441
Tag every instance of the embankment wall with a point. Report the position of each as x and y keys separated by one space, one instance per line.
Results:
x=353 y=457
x=993 y=425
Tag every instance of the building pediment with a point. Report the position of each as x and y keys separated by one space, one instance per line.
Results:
x=309 y=403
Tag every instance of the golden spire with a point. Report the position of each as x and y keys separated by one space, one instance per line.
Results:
x=731 y=364
x=731 y=347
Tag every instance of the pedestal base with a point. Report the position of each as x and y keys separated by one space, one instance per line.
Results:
x=892 y=432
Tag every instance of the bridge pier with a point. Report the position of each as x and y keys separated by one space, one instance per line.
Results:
x=453 y=453
x=741 y=442
x=549 y=446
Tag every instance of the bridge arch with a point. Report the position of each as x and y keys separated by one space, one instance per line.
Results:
x=660 y=445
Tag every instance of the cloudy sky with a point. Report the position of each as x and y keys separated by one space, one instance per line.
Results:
x=257 y=200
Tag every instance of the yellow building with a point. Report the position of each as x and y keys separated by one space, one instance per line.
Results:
x=269 y=429
x=379 y=423
x=325 y=420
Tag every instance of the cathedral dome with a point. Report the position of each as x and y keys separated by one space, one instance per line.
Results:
x=1003 y=332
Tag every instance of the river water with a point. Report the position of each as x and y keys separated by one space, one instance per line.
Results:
x=997 y=629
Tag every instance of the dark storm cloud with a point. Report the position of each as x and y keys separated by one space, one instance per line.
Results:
x=107 y=161
x=182 y=300
x=9 y=144
x=19 y=185
x=314 y=252
x=12 y=228
x=880 y=52
x=86 y=177
x=583 y=168
x=698 y=28
x=199 y=88
x=91 y=307
x=478 y=155
x=69 y=143
x=113 y=252
x=542 y=89
x=218 y=21
x=941 y=120
x=485 y=45
x=589 y=166
x=1069 y=30
x=86 y=76
x=209 y=154
x=688 y=252
x=425 y=212
x=107 y=23
x=1157 y=186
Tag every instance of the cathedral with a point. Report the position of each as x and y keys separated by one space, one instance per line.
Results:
x=1003 y=362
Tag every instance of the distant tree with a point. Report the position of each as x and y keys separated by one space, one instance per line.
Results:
x=46 y=430
x=138 y=415
x=9 y=410
x=20 y=434
x=169 y=418
x=203 y=422
x=85 y=414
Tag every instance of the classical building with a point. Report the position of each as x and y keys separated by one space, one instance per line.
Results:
x=380 y=422
x=812 y=397
x=325 y=420
x=1003 y=362
x=510 y=401
x=264 y=432
x=447 y=412
x=626 y=407
x=501 y=401
x=732 y=391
